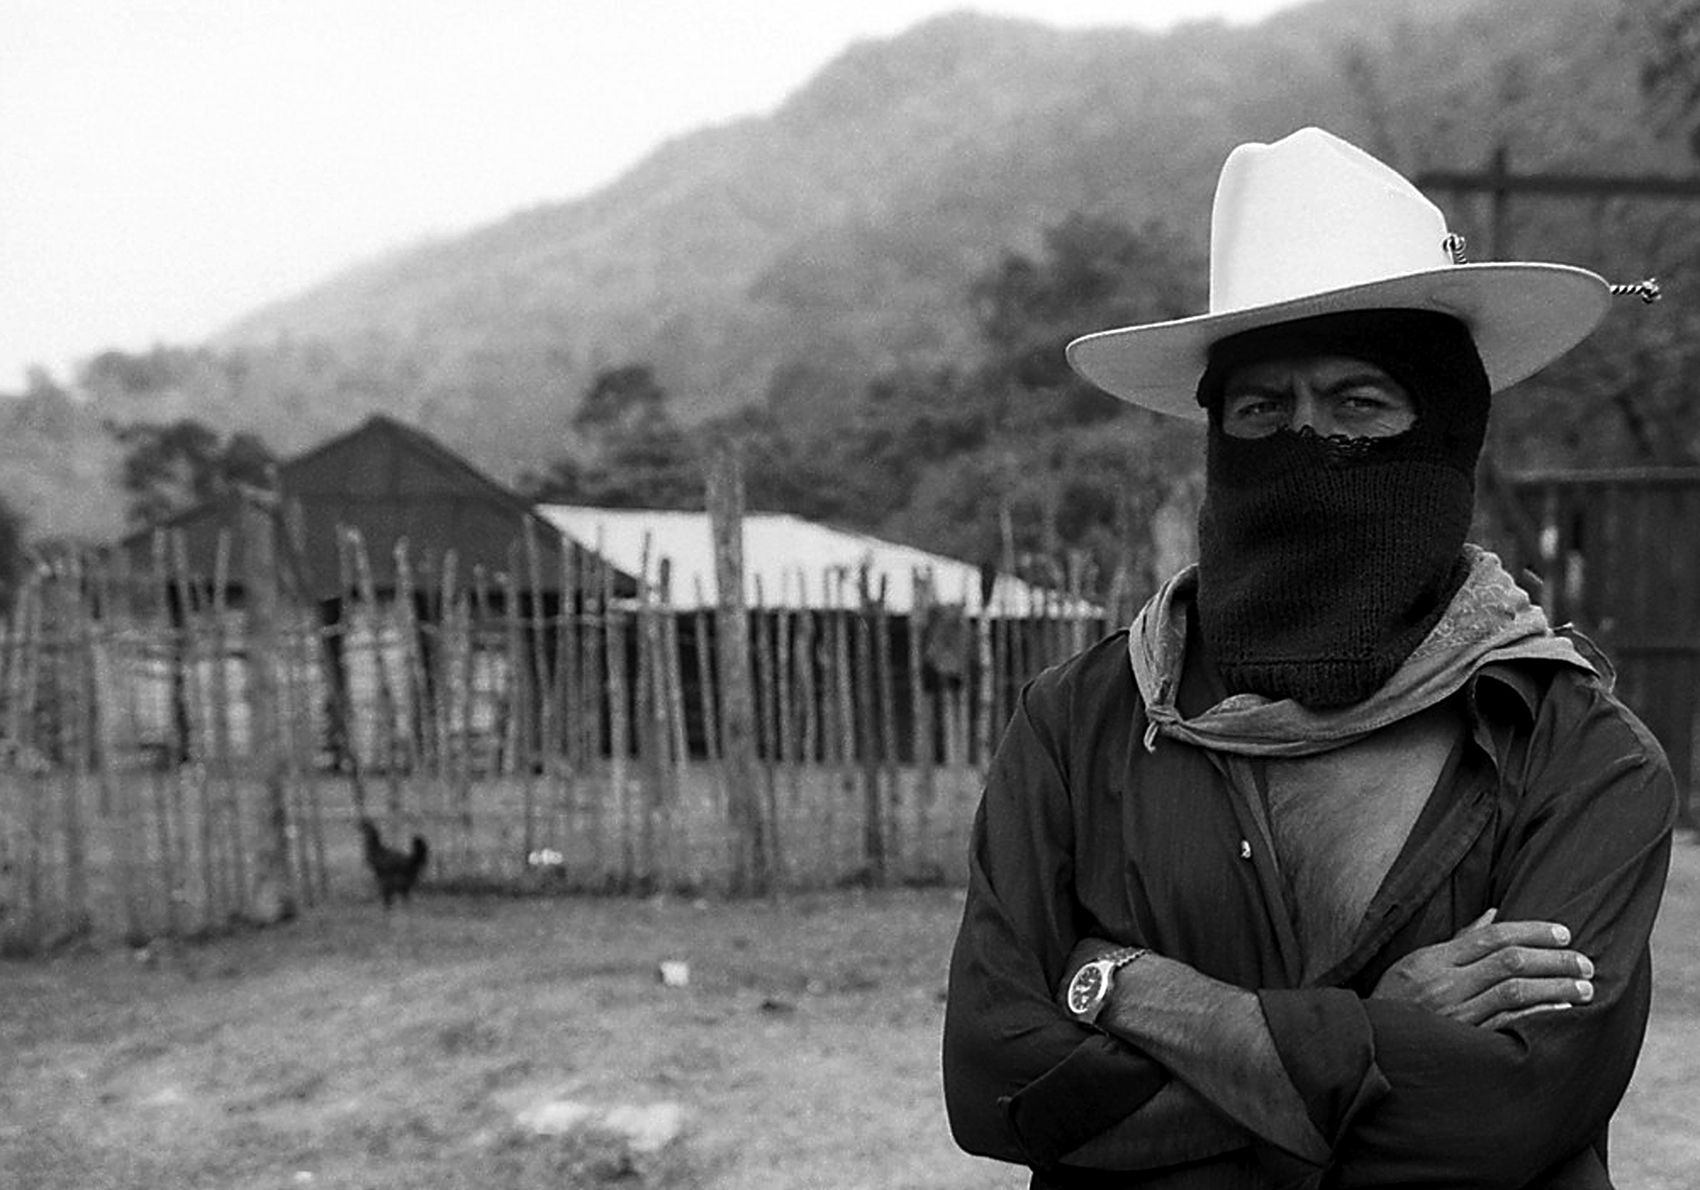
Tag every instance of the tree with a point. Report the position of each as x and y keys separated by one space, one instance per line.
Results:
x=12 y=557
x=1016 y=452
x=639 y=457
x=1670 y=66
x=172 y=467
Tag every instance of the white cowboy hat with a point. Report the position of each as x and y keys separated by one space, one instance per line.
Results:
x=1313 y=225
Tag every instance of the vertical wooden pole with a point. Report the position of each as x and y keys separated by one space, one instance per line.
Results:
x=273 y=895
x=32 y=758
x=767 y=702
x=803 y=645
x=452 y=759
x=619 y=724
x=307 y=705
x=566 y=690
x=16 y=796
x=755 y=860
x=480 y=618
x=921 y=709
x=885 y=697
x=787 y=753
x=338 y=650
x=234 y=844
x=651 y=729
x=76 y=685
x=678 y=748
x=594 y=688
x=843 y=697
x=386 y=738
x=709 y=702
x=874 y=839
x=174 y=628
x=522 y=762
x=542 y=723
x=417 y=750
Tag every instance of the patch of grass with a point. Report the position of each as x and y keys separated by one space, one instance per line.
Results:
x=354 y=1050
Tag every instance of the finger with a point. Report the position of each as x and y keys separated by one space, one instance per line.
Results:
x=1476 y=944
x=1514 y=995
x=1486 y=919
x=1514 y=962
x=1503 y=1019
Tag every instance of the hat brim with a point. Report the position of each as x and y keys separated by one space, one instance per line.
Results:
x=1522 y=316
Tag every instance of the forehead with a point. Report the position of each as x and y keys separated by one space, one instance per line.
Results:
x=1314 y=370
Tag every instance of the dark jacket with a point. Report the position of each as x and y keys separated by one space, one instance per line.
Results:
x=1559 y=807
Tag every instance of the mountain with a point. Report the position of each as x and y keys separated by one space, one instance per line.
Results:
x=812 y=248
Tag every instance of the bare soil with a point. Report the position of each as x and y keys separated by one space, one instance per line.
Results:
x=354 y=1049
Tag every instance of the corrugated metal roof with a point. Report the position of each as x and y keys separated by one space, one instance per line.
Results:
x=788 y=561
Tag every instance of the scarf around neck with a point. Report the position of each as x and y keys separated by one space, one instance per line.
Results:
x=1490 y=619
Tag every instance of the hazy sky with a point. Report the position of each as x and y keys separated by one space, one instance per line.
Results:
x=168 y=165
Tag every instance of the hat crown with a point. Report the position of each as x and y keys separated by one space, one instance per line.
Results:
x=1311 y=213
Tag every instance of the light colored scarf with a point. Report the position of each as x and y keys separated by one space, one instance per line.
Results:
x=1490 y=619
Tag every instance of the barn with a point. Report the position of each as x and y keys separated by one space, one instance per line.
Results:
x=393 y=486
x=380 y=517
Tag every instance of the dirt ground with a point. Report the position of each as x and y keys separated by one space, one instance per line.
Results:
x=354 y=1050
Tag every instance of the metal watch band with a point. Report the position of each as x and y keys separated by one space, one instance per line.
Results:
x=1106 y=966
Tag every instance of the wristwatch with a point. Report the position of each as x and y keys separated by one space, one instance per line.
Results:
x=1090 y=987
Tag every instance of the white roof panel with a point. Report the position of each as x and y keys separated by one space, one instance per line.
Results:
x=788 y=561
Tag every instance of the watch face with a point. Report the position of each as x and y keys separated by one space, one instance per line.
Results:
x=1087 y=986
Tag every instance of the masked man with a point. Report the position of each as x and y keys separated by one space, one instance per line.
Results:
x=1338 y=867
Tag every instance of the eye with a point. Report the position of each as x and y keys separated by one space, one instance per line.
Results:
x=1370 y=397
x=1255 y=412
x=1373 y=400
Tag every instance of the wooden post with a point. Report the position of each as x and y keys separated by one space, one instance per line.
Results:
x=672 y=696
x=921 y=709
x=788 y=753
x=867 y=738
x=335 y=644
x=74 y=684
x=175 y=626
x=522 y=757
x=417 y=745
x=31 y=618
x=478 y=617
x=709 y=704
x=386 y=735
x=542 y=724
x=844 y=701
x=767 y=705
x=885 y=697
x=619 y=723
x=235 y=843
x=755 y=859
x=273 y=896
x=305 y=643
x=452 y=757
x=594 y=688
x=651 y=726
x=803 y=647
x=575 y=752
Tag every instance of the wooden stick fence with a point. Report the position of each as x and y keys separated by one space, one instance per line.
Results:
x=182 y=751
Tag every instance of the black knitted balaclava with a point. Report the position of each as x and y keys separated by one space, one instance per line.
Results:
x=1324 y=561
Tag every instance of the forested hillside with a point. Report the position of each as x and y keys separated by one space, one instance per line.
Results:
x=868 y=288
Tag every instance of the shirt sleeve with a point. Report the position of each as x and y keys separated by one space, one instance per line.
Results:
x=1586 y=844
x=1023 y=1082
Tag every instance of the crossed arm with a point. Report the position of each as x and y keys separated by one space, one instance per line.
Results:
x=1230 y=1087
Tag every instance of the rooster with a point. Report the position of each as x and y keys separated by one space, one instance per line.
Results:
x=395 y=871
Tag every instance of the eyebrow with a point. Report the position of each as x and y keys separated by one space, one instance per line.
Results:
x=1354 y=379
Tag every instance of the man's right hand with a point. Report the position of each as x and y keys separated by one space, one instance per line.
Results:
x=1491 y=973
